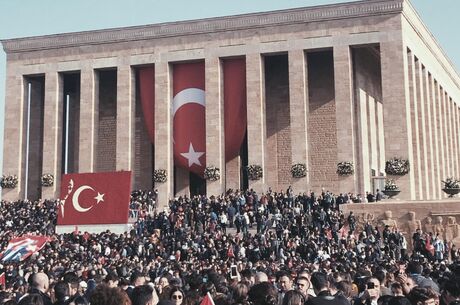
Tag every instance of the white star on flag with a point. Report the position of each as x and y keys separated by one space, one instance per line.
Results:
x=99 y=197
x=192 y=156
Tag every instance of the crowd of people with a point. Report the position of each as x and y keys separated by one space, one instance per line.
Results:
x=239 y=248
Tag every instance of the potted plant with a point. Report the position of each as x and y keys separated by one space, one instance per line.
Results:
x=159 y=175
x=9 y=181
x=345 y=168
x=47 y=180
x=212 y=173
x=451 y=186
x=298 y=170
x=391 y=189
x=397 y=167
x=255 y=172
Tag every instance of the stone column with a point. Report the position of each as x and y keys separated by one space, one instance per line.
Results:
x=396 y=107
x=434 y=110
x=298 y=99
x=52 y=132
x=423 y=181
x=345 y=115
x=256 y=118
x=163 y=133
x=431 y=156
x=457 y=140
x=447 y=135
x=14 y=132
x=89 y=113
x=455 y=137
x=215 y=151
x=125 y=118
x=413 y=89
x=440 y=122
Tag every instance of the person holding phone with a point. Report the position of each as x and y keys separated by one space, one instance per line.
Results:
x=371 y=293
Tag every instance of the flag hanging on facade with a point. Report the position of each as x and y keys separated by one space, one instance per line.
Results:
x=147 y=97
x=189 y=127
x=235 y=113
x=95 y=198
x=207 y=300
x=20 y=248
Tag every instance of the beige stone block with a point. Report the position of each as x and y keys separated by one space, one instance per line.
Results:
x=256 y=117
x=298 y=99
x=125 y=118
x=215 y=150
x=89 y=113
x=345 y=115
x=52 y=132
x=14 y=133
x=163 y=132
x=397 y=110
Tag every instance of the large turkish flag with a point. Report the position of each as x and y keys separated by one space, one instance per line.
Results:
x=94 y=198
x=189 y=127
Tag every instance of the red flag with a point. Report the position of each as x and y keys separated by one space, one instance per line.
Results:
x=328 y=233
x=207 y=300
x=95 y=198
x=2 y=279
x=235 y=116
x=20 y=248
x=344 y=231
x=147 y=97
x=189 y=126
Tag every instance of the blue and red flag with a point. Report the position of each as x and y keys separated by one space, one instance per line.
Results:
x=20 y=248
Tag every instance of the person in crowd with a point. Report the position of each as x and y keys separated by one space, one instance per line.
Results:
x=39 y=285
x=105 y=295
x=303 y=285
x=323 y=294
x=177 y=296
x=144 y=295
x=423 y=296
x=61 y=293
x=294 y=297
x=263 y=294
x=285 y=284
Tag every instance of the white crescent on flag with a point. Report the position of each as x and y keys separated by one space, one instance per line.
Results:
x=189 y=95
x=76 y=202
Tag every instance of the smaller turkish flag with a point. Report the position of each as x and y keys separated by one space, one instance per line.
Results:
x=95 y=198
x=207 y=300
x=2 y=279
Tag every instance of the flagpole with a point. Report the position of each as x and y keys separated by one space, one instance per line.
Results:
x=26 y=174
x=66 y=148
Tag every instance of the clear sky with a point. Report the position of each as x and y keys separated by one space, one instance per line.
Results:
x=21 y=18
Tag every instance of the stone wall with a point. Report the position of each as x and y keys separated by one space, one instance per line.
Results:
x=278 y=122
x=322 y=121
x=107 y=131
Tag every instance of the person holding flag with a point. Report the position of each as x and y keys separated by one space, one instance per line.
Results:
x=207 y=300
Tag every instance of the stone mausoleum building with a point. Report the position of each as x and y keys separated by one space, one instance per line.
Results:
x=361 y=82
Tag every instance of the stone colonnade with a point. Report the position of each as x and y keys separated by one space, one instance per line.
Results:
x=362 y=83
x=257 y=146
